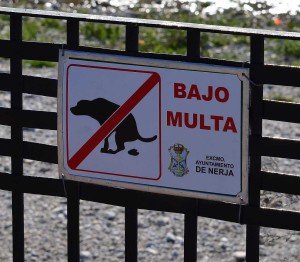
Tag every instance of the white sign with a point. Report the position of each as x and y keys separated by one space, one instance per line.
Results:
x=154 y=125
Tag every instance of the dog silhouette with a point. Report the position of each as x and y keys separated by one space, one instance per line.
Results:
x=101 y=109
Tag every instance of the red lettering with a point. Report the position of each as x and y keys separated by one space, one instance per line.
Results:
x=186 y=120
x=202 y=124
x=225 y=96
x=179 y=90
x=194 y=92
x=174 y=120
x=229 y=125
x=209 y=95
x=217 y=121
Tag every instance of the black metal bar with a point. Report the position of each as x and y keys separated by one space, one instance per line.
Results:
x=28 y=118
x=40 y=86
x=132 y=39
x=18 y=225
x=158 y=202
x=31 y=85
x=16 y=63
x=275 y=147
x=33 y=151
x=273 y=218
x=44 y=51
x=282 y=183
x=73 y=221
x=152 y=23
x=40 y=152
x=131 y=214
x=281 y=111
x=131 y=234
x=7 y=116
x=252 y=233
x=136 y=199
x=172 y=57
x=253 y=216
x=276 y=75
x=39 y=119
x=266 y=74
x=193 y=44
x=252 y=242
x=73 y=187
x=5 y=147
x=32 y=185
x=190 y=231
x=5 y=80
x=16 y=140
x=72 y=33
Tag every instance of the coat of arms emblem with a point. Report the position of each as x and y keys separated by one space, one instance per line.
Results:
x=178 y=165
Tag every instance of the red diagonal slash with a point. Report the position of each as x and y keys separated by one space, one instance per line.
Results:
x=115 y=119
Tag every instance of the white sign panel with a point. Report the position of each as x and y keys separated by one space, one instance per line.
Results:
x=154 y=125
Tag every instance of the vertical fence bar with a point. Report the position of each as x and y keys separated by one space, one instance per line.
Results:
x=131 y=214
x=131 y=234
x=72 y=34
x=73 y=187
x=256 y=59
x=73 y=221
x=17 y=138
x=190 y=232
x=191 y=217
x=193 y=44
x=132 y=39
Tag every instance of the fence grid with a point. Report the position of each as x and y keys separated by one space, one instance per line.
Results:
x=252 y=215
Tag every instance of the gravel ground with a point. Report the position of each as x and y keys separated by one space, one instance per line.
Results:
x=160 y=233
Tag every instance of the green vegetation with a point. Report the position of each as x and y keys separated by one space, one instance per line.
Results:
x=39 y=64
x=169 y=41
x=44 y=30
x=296 y=63
x=4 y=27
x=282 y=98
x=291 y=48
x=31 y=29
x=102 y=35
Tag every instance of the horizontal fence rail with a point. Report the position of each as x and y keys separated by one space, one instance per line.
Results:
x=150 y=23
x=253 y=216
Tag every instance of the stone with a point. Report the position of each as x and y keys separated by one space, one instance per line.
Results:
x=110 y=215
x=85 y=254
x=150 y=244
x=170 y=238
x=152 y=251
x=174 y=254
x=239 y=256
x=162 y=221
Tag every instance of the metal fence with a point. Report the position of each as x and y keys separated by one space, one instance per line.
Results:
x=252 y=216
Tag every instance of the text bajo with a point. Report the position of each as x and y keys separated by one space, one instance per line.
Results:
x=220 y=94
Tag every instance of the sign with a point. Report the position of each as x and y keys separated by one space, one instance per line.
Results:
x=154 y=125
